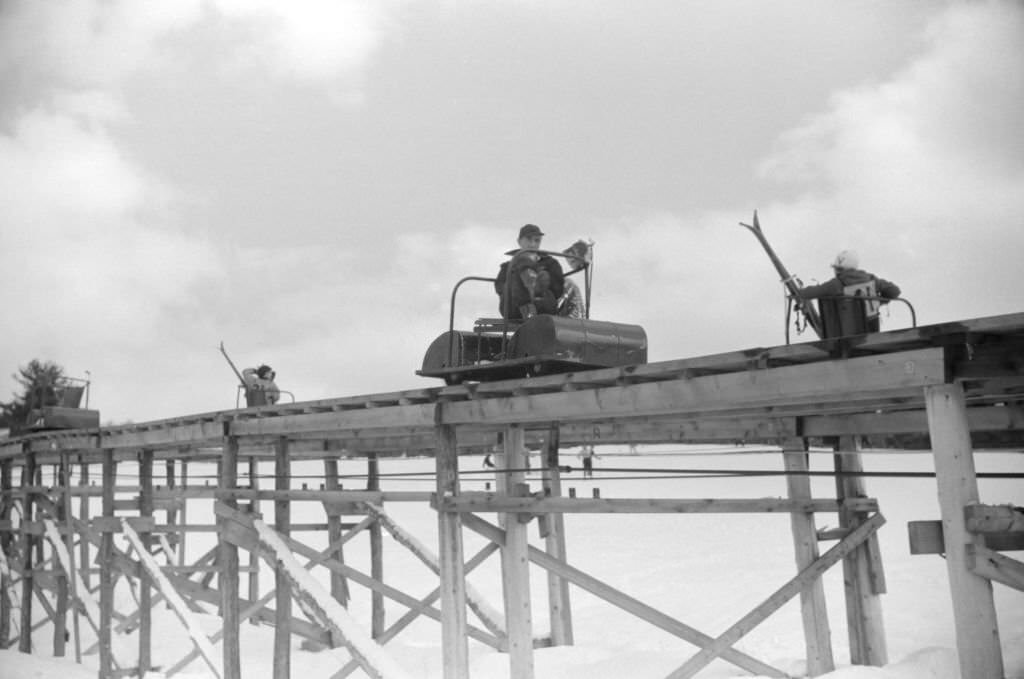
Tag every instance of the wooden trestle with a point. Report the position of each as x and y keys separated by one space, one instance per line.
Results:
x=948 y=380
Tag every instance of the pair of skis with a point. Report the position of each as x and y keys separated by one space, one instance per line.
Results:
x=804 y=306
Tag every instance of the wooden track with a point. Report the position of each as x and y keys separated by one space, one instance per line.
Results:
x=947 y=380
x=755 y=395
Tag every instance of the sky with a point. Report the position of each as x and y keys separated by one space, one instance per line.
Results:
x=306 y=181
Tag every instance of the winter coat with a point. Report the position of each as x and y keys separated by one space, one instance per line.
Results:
x=847 y=279
x=536 y=279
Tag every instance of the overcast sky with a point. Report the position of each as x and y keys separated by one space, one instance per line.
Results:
x=307 y=180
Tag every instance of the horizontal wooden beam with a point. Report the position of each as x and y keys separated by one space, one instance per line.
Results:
x=623 y=601
x=988 y=518
x=995 y=566
x=901 y=373
x=490 y=502
x=926 y=537
x=982 y=418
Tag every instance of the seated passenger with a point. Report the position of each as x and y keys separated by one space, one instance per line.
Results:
x=260 y=388
x=536 y=282
x=852 y=282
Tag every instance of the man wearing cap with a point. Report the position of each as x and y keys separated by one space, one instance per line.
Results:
x=536 y=282
x=850 y=281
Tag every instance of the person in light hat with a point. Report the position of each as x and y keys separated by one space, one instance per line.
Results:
x=260 y=388
x=852 y=281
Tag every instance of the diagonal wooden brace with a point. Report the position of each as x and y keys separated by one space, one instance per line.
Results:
x=622 y=600
x=751 y=620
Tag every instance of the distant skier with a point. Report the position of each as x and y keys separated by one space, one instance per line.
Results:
x=587 y=454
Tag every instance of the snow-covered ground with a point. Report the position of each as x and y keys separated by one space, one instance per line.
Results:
x=705 y=570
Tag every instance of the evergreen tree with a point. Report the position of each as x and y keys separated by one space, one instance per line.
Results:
x=39 y=381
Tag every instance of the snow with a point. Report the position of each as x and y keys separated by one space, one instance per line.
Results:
x=706 y=571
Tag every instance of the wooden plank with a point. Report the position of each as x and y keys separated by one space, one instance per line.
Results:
x=977 y=629
x=480 y=502
x=253 y=610
x=28 y=542
x=624 y=601
x=559 y=606
x=336 y=499
x=777 y=599
x=413 y=613
x=377 y=622
x=177 y=604
x=228 y=576
x=107 y=569
x=112 y=524
x=6 y=545
x=420 y=415
x=454 y=645
x=61 y=580
x=183 y=518
x=339 y=586
x=863 y=577
x=982 y=518
x=980 y=418
x=476 y=602
x=902 y=373
x=283 y=599
x=85 y=597
x=994 y=566
x=245 y=534
x=813 y=608
x=325 y=610
x=145 y=580
x=83 y=515
x=515 y=562
x=254 y=507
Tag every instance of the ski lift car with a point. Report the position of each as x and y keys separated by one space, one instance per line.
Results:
x=499 y=348
x=59 y=406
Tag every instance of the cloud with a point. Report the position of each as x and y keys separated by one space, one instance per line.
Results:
x=924 y=171
x=313 y=40
x=81 y=242
x=87 y=43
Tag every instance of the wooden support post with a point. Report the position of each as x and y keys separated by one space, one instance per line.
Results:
x=145 y=580
x=454 y=639
x=183 y=514
x=515 y=565
x=60 y=614
x=254 y=558
x=171 y=538
x=107 y=569
x=974 y=613
x=228 y=564
x=6 y=541
x=83 y=515
x=282 y=597
x=339 y=585
x=377 y=622
x=28 y=475
x=69 y=544
x=559 y=608
x=39 y=542
x=813 y=610
x=863 y=577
